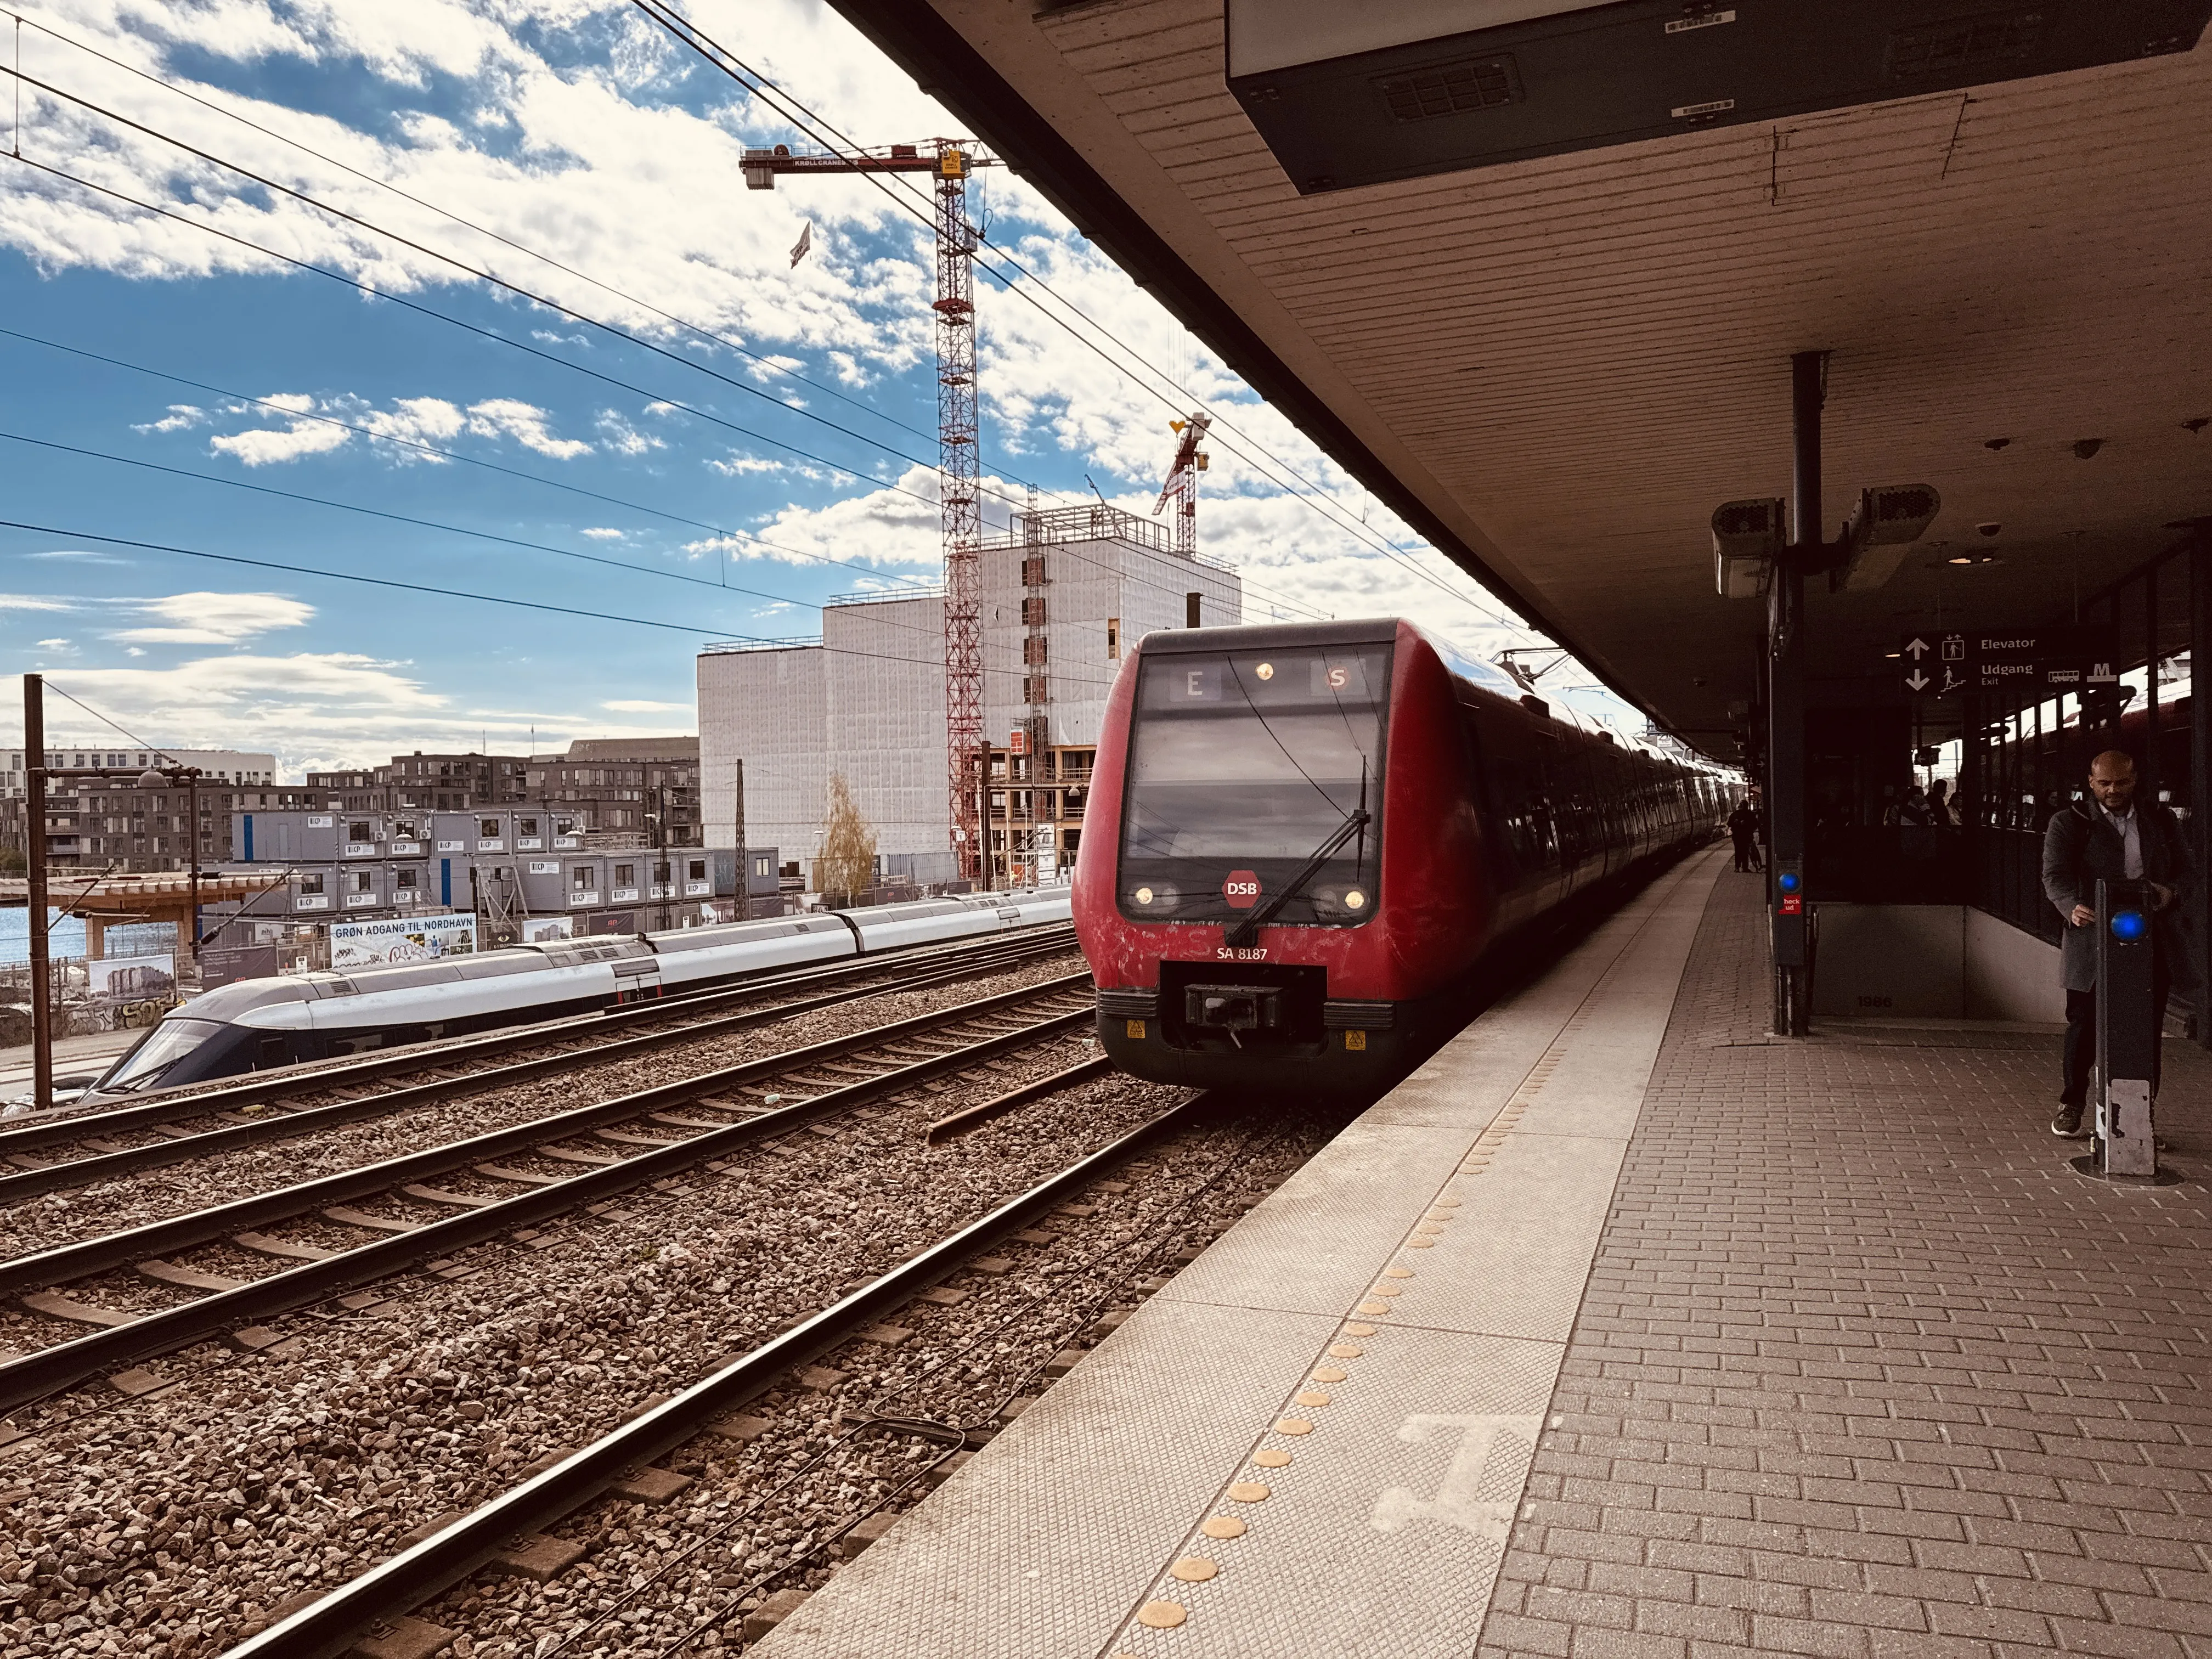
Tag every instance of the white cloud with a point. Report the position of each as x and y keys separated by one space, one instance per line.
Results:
x=600 y=532
x=415 y=421
x=34 y=602
x=525 y=423
x=641 y=706
x=179 y=417
x=267 y=446
x=622 y=437
x=214 y=618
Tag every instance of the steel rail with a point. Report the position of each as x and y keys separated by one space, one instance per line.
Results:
x=974 y=1117
x=16 y=1185
x=328 y=1627
x=162 y=1106
x=35 y=1376
x=86 y=1256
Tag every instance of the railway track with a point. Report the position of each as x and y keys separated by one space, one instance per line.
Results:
x=573 y=1159
x=124 y=1140
x=514 y=1527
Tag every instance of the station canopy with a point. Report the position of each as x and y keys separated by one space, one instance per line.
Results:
x=1557 y=342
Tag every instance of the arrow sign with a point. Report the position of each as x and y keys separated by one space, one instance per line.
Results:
x=1916 y=647
x=1916 y=680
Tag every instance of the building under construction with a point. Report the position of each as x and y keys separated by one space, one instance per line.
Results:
x=1063 y=595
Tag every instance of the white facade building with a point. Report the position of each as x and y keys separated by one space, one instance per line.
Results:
x=229 y=766
x=868 y=699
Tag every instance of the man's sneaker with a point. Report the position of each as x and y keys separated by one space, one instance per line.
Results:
x=2067 y=1125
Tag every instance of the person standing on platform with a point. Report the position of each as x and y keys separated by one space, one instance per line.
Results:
x=2112 y=836
x=1743 y=830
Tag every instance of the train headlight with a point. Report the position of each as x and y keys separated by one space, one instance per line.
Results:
x=1354 y=899
x=1144 y=895
x=1265 y=671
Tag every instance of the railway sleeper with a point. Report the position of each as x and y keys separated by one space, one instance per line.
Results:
x=48 y=1177
x=35 y=1376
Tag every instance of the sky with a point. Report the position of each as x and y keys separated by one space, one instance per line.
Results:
x=533 y=339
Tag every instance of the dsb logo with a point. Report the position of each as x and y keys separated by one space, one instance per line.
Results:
x=1240 y=889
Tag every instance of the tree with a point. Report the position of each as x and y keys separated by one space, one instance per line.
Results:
x=848 y=864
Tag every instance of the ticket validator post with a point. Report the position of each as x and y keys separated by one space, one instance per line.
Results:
x=2127 y=1028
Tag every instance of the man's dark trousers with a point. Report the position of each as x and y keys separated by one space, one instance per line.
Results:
x=2082 y=1035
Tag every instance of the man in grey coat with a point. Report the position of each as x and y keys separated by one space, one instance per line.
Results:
x=2114 y=837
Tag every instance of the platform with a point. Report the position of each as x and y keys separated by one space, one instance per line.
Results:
x=1623 y=1328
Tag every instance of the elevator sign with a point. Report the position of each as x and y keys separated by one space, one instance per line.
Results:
x=2037 y=661
x=1240 y=889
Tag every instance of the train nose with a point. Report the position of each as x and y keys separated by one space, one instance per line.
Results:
x=1233 y=1007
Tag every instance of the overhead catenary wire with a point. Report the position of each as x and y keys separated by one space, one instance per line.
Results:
x=772 y=363
x=480 y=535
x=501 y=339
x=806 y=121
x=496 y=281
x=433 y=450
x=692 y=629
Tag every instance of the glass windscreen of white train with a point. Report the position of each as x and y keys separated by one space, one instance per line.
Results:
x=1242 y=768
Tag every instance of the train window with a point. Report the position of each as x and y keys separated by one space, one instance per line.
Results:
x=1243 y=767
x=171 y=1041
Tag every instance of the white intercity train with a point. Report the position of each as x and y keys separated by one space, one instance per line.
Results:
x=259 y=1024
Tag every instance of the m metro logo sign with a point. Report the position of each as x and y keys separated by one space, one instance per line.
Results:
x=1242 y=889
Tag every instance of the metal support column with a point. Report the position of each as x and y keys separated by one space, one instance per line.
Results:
x=2198 y=896
x=2151 y=779
x=1789 y=914
x=35 y=867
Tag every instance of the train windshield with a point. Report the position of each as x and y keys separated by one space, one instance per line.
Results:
x=1245 y=768
x=164 y=1046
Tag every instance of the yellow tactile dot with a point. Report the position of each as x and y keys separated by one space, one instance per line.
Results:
x=1292 y=1425
x=1446 y=1203
x=1346 y=1350
x=1430 y=1229
x=1397 y=1272
x=1195 y=1569
x=1223 y=1526
x=1272 y=1457
x=1386 y=1290
x=1248 y=1491
x=1161 y=1615
x=1420 y=1244
x=1356 y=1329
x=1328 y=1373
x=1313 y=1397
x=1370 y=1308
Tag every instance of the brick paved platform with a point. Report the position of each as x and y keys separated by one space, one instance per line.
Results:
x=1862 y=1369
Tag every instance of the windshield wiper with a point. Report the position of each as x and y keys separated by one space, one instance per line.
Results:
x=1242 y=932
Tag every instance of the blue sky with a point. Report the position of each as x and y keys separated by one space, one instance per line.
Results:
x=578 y=130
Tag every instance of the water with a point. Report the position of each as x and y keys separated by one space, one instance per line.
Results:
x=65 y=937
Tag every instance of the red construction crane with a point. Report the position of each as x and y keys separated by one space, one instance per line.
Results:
x=949 y=161
x=1182 y=487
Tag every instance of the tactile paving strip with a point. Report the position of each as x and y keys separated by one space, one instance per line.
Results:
x=1384 y=1535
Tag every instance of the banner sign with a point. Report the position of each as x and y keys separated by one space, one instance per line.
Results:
x=391 y=940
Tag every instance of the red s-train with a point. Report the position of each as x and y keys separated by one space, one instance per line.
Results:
x=1301 y=841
